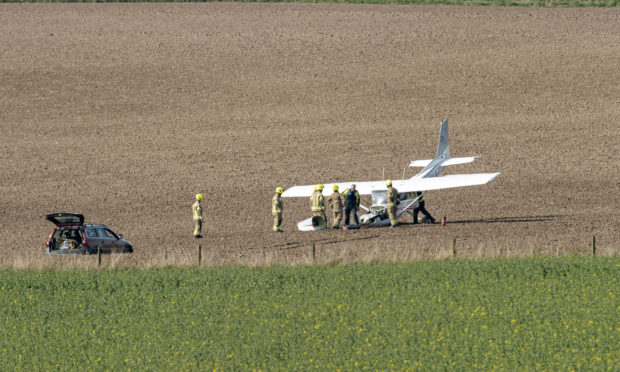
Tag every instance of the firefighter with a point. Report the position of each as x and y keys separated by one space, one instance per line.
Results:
x=421 y=208
x=276 y=209
x=351 y=204
x=336 y=202
x=197 y=212
x=317 y=206
x=392 y=199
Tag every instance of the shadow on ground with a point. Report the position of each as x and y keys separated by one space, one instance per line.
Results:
x=509 y=219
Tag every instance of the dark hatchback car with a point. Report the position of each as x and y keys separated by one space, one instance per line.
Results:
x=72 y=236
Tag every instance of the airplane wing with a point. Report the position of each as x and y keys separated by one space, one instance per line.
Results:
x=412 y=184
x=445 y=182
x=364 y=188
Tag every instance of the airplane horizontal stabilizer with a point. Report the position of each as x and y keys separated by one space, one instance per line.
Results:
x=451 y=161
x=420 y=163
x=455 y=161
x=446 y=182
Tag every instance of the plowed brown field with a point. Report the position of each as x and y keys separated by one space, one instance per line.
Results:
x=124 y=112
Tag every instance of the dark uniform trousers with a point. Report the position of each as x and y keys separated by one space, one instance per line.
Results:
x=347 y=213
x=421 y=208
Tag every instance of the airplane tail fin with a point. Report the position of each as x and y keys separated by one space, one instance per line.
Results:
x=443 y=146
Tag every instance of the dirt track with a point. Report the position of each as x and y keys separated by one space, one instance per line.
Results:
x=124 y=111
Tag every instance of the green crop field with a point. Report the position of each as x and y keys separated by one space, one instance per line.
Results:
x=511 y=314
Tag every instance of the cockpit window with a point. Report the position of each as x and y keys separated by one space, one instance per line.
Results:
x=379 y=197
x=406 y=195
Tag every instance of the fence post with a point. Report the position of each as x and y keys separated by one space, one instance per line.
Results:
x=98 y=256
x=313 y=252
x=453 y=247
x=199 y=254
x=593 y=245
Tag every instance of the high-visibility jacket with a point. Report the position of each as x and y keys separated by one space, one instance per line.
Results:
x=317 y=202
x=197 y=210
x=352 y=200
x=421 y=200
x=276 y=204
x=392 y=196
x=335 y=201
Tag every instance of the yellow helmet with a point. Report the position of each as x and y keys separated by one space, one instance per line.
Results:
x=316 y=187
x=279 y=190
x=320 y=187
x=388 y=183
x=335 y=187
x=199 y=197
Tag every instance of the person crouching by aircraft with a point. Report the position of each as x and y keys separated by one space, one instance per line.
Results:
x=392 y=199
x=197 y=214
x=421 y=208
x=351 y=203
x=276 y=209
x=317 y=205
x=336 y=202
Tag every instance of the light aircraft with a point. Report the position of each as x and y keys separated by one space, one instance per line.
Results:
x=427 y=179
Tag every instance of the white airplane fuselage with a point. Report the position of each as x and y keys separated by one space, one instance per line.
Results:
x=377 y=215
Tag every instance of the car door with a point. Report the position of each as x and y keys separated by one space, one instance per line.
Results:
x=112 y=241
x=94 y=239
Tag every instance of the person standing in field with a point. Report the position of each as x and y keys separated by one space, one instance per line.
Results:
x=351 y=204
x=317 y=206
x=336 y=203
x=276 y=209
x=197 y=213
x=392 y=199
